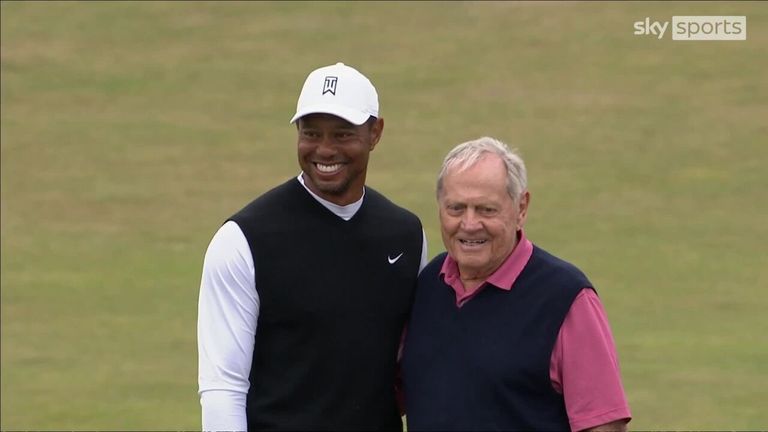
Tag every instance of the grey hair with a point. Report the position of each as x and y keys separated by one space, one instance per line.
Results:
x=467 y=154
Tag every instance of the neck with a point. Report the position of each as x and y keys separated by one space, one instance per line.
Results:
x=348 y=197
x=471 y=284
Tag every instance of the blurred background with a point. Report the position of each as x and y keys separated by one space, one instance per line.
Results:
x=132 y=130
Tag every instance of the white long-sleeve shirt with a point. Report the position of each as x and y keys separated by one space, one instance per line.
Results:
x=228 y=310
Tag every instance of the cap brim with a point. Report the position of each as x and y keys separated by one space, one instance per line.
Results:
x=353 y=116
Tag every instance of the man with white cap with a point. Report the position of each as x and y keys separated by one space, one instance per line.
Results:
x=305 y=291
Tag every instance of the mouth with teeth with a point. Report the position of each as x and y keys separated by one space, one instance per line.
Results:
x=328 y=168
x=472 y=243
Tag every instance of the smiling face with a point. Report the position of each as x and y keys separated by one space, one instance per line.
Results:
x=478 y=218
x=333 y=153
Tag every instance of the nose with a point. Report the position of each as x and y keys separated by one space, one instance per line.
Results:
x=326 y=147
x=470 y=222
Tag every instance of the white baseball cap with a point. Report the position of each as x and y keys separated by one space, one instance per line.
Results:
x=339 y=90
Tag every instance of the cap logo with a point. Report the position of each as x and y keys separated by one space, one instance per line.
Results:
x=329 y=86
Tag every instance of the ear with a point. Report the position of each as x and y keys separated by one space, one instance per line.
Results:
x=377 y=129
x=522 y=209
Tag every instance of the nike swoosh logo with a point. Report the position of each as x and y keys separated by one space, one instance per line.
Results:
x=394 y=260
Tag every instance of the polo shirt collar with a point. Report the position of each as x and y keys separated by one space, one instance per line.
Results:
x=503 y=278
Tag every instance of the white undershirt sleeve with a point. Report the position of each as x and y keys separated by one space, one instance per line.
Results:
x=228 y=310
x=424 y=254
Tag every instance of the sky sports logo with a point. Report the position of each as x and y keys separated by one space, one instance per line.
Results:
x=696 y=28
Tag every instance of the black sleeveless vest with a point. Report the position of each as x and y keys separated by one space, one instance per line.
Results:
x=334 y=297
x=485 y=366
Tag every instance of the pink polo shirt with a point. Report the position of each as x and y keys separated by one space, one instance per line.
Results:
x=584 y=367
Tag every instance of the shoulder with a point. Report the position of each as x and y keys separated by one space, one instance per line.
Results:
x=553 y=264
x=228 y=252
x=265 y=203
x=433 y=268
x=229 y=237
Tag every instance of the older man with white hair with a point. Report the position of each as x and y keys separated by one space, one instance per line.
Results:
x=503 y=335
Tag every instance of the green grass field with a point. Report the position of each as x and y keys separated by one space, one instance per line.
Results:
x=131 y=130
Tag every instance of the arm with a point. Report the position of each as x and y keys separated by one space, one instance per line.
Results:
x=399 y=394
x=584 y=367
x=615 y=426
x=227 y=312
x=424 y=255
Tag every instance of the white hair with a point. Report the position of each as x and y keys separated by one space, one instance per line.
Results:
x=467 y=154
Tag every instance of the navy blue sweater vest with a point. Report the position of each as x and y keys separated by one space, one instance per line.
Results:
x=485 y=366
x=332 y=310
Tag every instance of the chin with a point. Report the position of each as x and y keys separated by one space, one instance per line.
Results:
x=471 y=261
x=332 y=189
